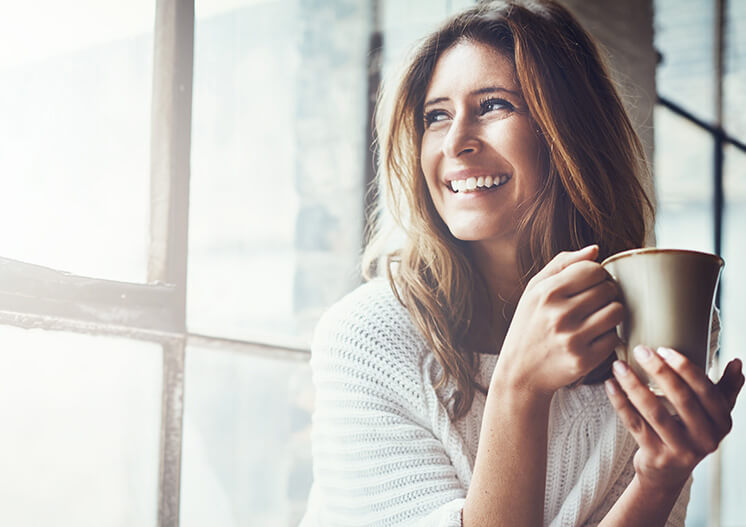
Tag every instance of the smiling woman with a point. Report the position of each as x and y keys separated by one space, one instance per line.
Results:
x=466 y=387
x=477 y=129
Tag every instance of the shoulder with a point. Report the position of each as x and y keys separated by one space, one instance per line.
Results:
x=369 y=315
x=370 y=336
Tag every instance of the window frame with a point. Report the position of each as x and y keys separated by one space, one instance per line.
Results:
x=34 y=296
x=721 y=138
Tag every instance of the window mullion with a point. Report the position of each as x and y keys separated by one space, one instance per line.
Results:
x=169 y=201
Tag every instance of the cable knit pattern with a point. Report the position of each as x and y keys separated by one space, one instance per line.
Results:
x=386 y=451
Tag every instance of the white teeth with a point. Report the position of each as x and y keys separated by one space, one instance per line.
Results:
x=472 y=183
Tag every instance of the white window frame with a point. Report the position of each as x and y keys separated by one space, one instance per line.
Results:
x=32 y=296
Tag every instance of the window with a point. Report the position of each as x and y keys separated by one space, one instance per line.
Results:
x=700 y=164
x=183 y=196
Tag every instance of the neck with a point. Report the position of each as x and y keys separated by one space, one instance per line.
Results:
x=498 y=263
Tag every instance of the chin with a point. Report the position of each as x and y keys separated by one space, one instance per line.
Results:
x=466 y=234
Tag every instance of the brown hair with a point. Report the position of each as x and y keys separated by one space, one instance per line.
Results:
x=591 y=192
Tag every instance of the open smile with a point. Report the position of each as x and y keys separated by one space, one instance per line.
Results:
x=477 y=184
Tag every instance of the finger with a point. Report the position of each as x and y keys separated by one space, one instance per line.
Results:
x=709 y=397
x=602 y=321
x=578 y=276
x=604 y=344
x=702 y=410
x=591 y=300
x=565 y=259
x=630 y=417
x=731 y=382
x=650 y=408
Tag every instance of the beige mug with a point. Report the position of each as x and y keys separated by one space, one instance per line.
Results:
x=669 y=296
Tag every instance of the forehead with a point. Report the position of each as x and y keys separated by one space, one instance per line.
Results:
x=469 y=65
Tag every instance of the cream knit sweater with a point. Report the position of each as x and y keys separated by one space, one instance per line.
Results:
x=386 y=452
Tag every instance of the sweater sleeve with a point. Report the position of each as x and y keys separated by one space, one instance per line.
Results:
x=375 y=459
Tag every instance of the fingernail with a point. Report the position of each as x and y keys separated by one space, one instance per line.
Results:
x=642 y=353
x=665 y=353
x=609 y=384
x=620 y=368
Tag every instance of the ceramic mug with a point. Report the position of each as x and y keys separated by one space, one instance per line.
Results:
x=669 y=296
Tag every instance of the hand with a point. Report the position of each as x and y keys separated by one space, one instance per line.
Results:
x=671 y=446
x=564 y=325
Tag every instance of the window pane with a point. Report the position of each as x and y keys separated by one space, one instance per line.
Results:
x=75 y=83
x=247 y=452
x=81 y=421
x=684 y=36
x=279 y=139
x=734 y=80
x=733 y=298
x=684 y=219
x=684 y=183
x=406 y=22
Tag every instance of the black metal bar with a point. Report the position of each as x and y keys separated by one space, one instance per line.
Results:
x=714 y=130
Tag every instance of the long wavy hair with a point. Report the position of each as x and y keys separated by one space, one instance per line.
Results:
x=590 y=192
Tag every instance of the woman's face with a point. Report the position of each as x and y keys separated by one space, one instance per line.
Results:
x=480 y=153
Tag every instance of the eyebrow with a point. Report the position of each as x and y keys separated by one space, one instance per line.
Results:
x=480 y=91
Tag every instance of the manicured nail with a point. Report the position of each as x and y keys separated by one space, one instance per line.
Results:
x=665 y=353
x=642 y=354
x=609 y=384
x=620 y=368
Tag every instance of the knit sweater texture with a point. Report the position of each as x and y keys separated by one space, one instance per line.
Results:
x=386 y=450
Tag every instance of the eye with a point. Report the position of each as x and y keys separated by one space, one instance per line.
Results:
x=434 y=116
x=494 y=104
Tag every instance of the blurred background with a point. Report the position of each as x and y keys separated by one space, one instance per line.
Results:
x=102 y=422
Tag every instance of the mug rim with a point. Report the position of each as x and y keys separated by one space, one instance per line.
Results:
x=649 y=250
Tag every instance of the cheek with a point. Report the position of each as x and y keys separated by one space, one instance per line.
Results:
x=526 y=158
x=428 y=162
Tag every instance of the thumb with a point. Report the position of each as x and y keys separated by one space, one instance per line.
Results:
x=731 y=382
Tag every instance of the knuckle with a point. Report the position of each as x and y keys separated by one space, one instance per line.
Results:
x=573 y=343
x=659 y=414
x=561 y=321
x=688 y=458
x=657 y=368
x=617 y=311
x=710 y=444
x=724 y=425
x=712 y=393
x=610 y=289
x=565 y=342
x=634 y=424
x=662 y=461
x=687 y=401
x=547 y=293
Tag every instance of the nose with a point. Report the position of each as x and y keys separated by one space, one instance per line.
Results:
x=462 y=139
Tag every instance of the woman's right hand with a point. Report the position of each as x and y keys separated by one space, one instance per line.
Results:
x=564 y=325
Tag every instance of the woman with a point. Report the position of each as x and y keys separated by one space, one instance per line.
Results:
x=467 y=387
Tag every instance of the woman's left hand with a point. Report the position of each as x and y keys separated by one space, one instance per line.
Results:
x=671 y=446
